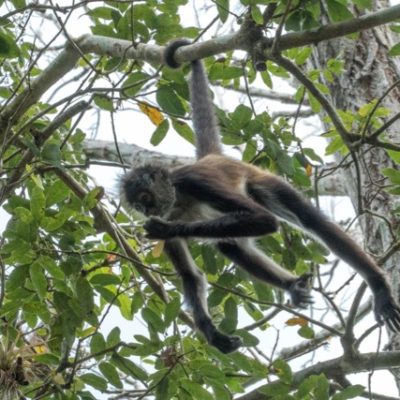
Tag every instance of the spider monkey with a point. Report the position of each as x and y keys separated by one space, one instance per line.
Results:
x=232 y=202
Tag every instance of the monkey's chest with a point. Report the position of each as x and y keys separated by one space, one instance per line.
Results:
x=195 y=213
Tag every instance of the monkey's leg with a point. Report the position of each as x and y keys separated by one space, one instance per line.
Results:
x=194 y=287
x=245 y=254
x=285 y=202
x=239 y=224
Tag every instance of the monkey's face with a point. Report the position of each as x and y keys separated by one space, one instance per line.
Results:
x=149 y=190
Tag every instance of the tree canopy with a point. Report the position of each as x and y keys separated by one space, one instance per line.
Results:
x=89 y=308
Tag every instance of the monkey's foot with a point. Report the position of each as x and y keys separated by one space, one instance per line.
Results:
x=224 y=343
x=387 y=311
x=300 y=291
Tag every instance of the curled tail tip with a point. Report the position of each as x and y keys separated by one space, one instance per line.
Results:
x=170 y=50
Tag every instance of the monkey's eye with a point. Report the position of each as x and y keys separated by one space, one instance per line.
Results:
x=145 y=198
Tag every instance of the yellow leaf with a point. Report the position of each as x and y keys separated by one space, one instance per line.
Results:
x=297 y=321
x=309 y=170
x=158 y=249
x=40 y=349
x=155 y=115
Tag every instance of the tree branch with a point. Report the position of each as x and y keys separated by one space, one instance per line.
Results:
x=113 y=47
x=337 y=366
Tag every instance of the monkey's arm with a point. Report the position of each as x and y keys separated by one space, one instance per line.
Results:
x=237 y=224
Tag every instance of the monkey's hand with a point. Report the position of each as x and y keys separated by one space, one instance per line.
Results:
x=387 y=310
x=300 y=291
x=157 y=228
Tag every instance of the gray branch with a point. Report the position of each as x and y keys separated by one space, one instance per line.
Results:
x=105 y=151
x=239 y=40
x=336 y=367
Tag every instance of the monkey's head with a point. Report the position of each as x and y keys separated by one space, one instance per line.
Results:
x=149 y=190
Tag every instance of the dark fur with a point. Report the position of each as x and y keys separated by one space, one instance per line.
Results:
x=229 y=201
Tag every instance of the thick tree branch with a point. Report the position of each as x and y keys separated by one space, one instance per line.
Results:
x=336 y=367
x=331 y=31
x=241 y=40
x=105 y=151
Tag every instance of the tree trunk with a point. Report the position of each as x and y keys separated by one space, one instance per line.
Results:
x=368 y=73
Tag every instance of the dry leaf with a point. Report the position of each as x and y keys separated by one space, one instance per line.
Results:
x=297 y=321
x=158 y=249
x=155 y=115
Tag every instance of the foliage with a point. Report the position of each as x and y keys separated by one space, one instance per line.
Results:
x=66 y=271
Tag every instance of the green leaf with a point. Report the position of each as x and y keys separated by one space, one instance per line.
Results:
x=160 y=133
x=184 y=130
x=195 y=390
x=47 y=358
x=8 y=46
x=18 y=3
x=221 y=71
x=114 y=337
x=84 y=294
x=249 y=340
x=283 y=371
x=169 y=101
x=395 y=50
x=314 y=103
x=172 y=310
x=57 y=192
x=38 y=279
x=97 y=343
x=101 y=12
x=394 y=155
x=275 y=389
x=229 y=323
x=129 y=367
x=51 y=154
x=105 y=279
x=392 y=174
x=95 y=381
x=111 y=374
x=209 y=260
x=335 y=145
x=315 y=384
x=223 y=9
x=51 y=267
x=303 y=55
x=153 y=319
x=38 y=202
x=125 y=306
x=104 y=102
x=23 y=214
x=306 y=332
x=337 y=11
x=134 y=83
x=363 y=4
x=257 y=15
x=266 y=77
x=241 y=116
x=349 y=392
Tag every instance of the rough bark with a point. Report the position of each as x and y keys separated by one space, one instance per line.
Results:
x=369 y=72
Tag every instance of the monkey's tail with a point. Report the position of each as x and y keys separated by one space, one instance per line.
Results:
x=204 y=119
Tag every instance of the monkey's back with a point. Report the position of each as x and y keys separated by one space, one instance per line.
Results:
x=205 y=188
x=225 y=171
